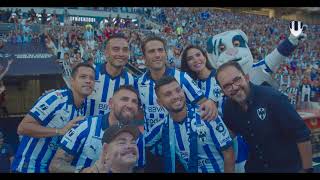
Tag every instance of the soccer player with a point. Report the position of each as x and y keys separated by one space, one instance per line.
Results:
x=155 y=56
x=110 y=75
x=49 y=119
x=201 y=146
x=81 y=146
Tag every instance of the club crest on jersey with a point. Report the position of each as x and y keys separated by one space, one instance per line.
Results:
x=261 y=112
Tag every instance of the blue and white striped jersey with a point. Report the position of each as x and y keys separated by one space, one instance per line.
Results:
x=212 y=90
x=53 y=110
x=213 y=138
x=84 y=142
x=153 y=113
x=105 y=86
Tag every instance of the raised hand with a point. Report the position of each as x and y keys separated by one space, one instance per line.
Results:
x=71 y=124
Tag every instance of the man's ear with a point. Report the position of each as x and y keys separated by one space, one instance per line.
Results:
x=247 y=77
x=110 y=103
x=105 y=147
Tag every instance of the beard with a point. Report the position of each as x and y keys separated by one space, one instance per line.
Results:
x=122 y=118
x=241 y=95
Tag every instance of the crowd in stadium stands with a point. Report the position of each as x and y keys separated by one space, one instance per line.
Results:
x=180 y=27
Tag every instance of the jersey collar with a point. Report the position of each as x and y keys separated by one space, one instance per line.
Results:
x=103 y=70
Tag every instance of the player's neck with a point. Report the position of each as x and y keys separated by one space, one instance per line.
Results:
x=157 y=74
x=77 y=98
x=113 y=71
x=179 y=116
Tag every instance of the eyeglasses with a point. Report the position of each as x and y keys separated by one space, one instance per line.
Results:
x=236 y=81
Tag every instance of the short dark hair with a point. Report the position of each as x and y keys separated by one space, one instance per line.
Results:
x=184 y=64
x=152 y=38
x=116 y=36
x=129 y=88
x=229 y=64
x=163 y=81
x=75 y=69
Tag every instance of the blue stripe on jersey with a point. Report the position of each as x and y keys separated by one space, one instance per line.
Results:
x=49 y=117
x=153 y=133
x=35 y=115
x=116 y=85
x=208 y=85
x=18 y=156
x=179 y=138
x=92 y=103
x=29 y=153
x=51 y=99
x=98 y=127
x=211 y=158
x=85 y=134
x=151 y=93
x=65 y=93
x=87 y=163
x=42 y=154
x=85 y=107
x=97 y=72
x=188 y=86
x=126 y=78
x=204 y=169
x=214 y=138
x=259 y=63
x=105 y=88
x=141 y=151
x=72 y=111
x=268 y=69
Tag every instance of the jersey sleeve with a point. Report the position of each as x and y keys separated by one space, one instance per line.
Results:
x=153 y=135
x=45 y=107
x=192 y=91
x=74 y=139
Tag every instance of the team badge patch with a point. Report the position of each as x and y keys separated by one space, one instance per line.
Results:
x=261 y=112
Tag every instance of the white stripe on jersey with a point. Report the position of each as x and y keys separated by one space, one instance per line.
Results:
x=214 y=137
x=84 y=142
x=212 y=90
x=53 y=110
x=152 y=111
x=97 y=102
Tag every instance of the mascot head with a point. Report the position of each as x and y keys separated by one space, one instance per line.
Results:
x=230 y=46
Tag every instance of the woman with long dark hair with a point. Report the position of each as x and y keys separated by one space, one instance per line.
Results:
x=195 y=61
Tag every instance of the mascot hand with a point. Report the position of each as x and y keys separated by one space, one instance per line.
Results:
x=301 y=37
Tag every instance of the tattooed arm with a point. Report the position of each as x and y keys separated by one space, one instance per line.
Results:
x=61 y=162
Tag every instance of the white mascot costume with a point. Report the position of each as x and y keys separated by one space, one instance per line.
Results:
x=233 y=46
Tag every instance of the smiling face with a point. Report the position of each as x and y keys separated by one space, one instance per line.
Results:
x=124 y=149
x=196 y=60
x=230 y=46
x=83 y=81
x=124 y=105
x=234 y=84
x=171 y=96
x=117 y=52
x=155 y=55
